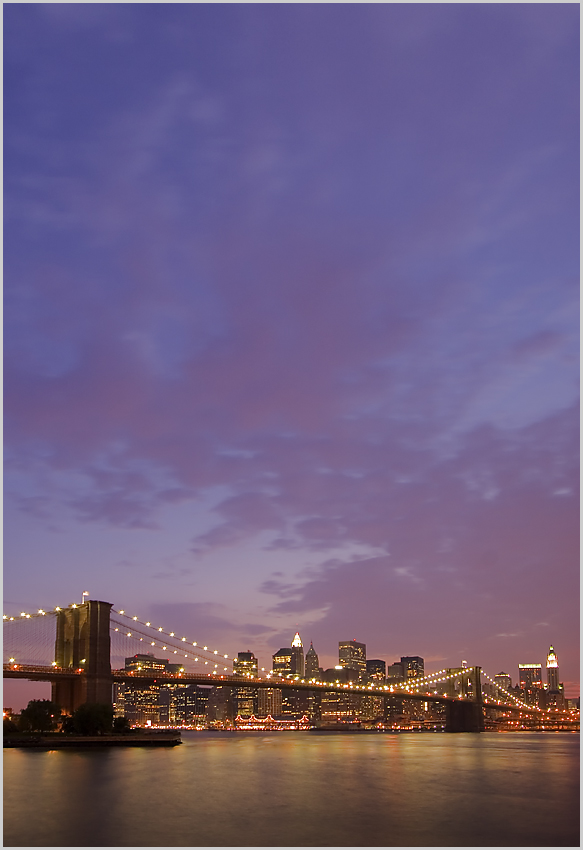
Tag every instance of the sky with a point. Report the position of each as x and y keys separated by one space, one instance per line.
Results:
x=291 y=299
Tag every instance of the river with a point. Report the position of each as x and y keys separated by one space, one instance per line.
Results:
x=300 y=789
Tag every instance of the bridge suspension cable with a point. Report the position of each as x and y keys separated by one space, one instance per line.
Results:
x=29 y=638
x=159 y=638
x=514 y=700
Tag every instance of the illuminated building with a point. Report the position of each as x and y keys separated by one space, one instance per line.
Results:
x=245 y=699
x=148 y=705
x=282 y=662
x=413 y=666
x=503 y=680
x=297 y=656
x=530 y=676
x=352 y=657
x=312 y=663
x=552 y=670
x=269 y=702
x=376 y=670
x=149 y=662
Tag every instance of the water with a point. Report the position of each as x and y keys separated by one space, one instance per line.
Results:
x=300 y=789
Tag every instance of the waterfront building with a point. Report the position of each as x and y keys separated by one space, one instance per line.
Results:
x=552 y=670
x=219 y=710
x=269 y=702
x=352 y=657
x=312 y=670
x=376 y=670
x=297 y=656
x=148 y=704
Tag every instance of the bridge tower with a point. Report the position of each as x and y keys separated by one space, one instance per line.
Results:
x=467 y=715
x=83 y=642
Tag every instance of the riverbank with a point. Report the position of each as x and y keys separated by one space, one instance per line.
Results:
x=57 y=742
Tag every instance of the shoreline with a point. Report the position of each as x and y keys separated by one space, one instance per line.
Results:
x=46 y=742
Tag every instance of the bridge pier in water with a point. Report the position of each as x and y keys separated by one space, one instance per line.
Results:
x=466 y=715
x=83 y=642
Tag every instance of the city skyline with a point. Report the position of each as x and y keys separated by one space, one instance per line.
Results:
x=291 y=323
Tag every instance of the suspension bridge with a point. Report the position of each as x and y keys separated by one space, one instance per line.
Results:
x=80 y=649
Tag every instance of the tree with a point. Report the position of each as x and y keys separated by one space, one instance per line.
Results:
x=9 y=726
x=40 y=715
x=92 y=718
x=121 y=724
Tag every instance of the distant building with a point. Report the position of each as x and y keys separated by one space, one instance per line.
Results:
x=312 y=669
x=297 y=656
x=149 y=704
x=149 y=662
x=245 y=698
x=503 y=680
x=376 y=670
x=530 y=676
x=352 y=657
x=395 y=673
x=552 y=670
x=413 y=666
x=269 y=702
x=282 y=661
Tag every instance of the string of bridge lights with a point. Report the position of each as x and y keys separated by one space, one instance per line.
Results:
x=24 y=616
x=414 y=687
x=511 y=696
x=135 y=631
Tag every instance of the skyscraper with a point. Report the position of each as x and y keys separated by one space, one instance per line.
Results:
x=552 y=670
x=352 y=657
x=312 y=663
x=297 y=656
x=503 y=680
x=413 y=666
x=245 y=699
x=376 y=670
x=282 y=661
x=530 y=676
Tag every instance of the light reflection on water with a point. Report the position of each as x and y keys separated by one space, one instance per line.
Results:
x=300 y=789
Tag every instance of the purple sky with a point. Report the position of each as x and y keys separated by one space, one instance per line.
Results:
x=291 y=323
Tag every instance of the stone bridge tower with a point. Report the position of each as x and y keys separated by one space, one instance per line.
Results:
x=83 y=642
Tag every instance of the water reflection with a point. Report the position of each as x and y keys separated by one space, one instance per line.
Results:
x=300 y=789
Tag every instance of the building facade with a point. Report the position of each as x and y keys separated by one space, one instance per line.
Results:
x=352 y=657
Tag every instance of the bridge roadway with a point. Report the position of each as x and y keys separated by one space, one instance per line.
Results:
x=149 y=677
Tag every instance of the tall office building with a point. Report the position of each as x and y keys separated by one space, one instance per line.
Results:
x=413 y=666
x=530 y=676
x=376 y=670
x=352 y=657
x=312 y=663
x=503 y=680
x=245 y=699
x=297 y=656
x=395 y=673
x=282 y=661
x=552 y=670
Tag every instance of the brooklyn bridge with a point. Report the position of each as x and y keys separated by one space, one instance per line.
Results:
x=73 y=648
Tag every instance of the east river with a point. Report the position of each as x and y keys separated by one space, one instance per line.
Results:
x=300 y=789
